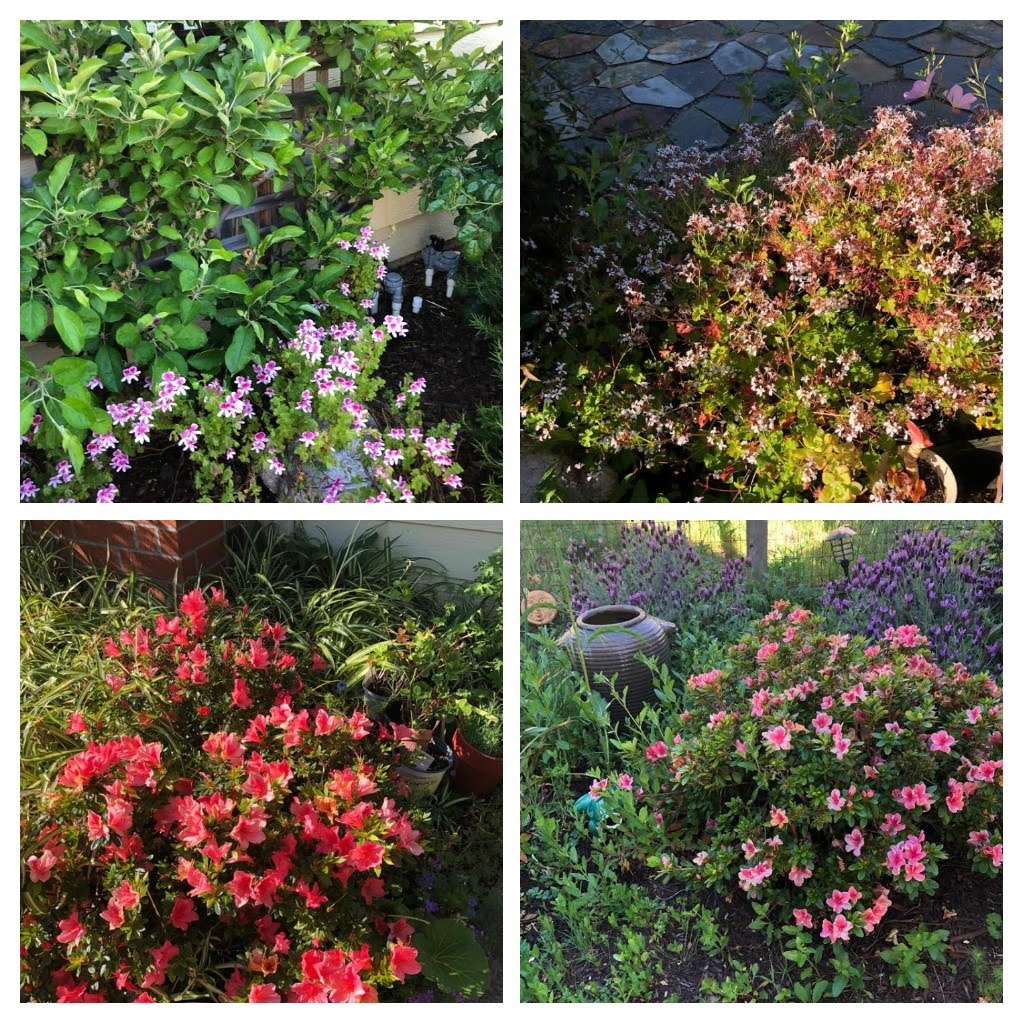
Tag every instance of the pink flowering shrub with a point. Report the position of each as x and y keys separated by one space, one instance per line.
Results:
x=218 y=833
x=780 y=318
x=826 y=778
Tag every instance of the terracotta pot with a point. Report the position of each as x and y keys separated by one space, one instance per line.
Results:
x=475 y=772
x=607 y=640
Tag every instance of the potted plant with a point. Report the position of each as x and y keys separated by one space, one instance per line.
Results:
x=478 y=745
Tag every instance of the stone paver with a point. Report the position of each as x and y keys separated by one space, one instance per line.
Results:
x=620 y=49
x=658 y=92
x=692 y=81
x=736 y=59
x=940 y=42
x=679 y=51
x=889 y=51
x=692 y=126
x=569 y=46
x=904 y=29
x=733 y=112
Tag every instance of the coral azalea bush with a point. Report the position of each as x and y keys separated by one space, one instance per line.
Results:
x=218 y=835
x=827 y=778
x=782 y=316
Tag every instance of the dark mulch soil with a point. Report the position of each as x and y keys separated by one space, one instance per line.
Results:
x=960 y=906
x=456 y=360
x=440 y=346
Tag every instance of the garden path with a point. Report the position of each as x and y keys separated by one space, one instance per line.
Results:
x=699 y=80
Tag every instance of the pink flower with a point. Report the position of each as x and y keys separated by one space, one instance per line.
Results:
x=803 y=918
x=778 y=817
x=71 y=930
x=263 y=994
x=958 y=99
x=798 y=876
x=839 y=929
x=626 y=781
x=767 y=651
x=942 y=742
x=836 y=801
x=656 y=751
x=39 y=868
x=183 y=913
x=403 y=960
x=995 y=853
x=778 y=737
x=855 y=842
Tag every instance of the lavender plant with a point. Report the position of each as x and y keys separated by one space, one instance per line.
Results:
x=953 y=591
x=657 y=568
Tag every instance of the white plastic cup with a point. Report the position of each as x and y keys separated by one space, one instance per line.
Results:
x=417 y=303
x=429 y=275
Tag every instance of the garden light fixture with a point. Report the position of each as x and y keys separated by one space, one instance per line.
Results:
x=841 y=542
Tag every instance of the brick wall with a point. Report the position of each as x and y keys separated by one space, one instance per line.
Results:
x=156 y=548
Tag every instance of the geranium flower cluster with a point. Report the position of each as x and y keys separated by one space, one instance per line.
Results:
x=780 y=336
x=292 y=410
x=271 y=844
x=954 y=595
x=827 y=776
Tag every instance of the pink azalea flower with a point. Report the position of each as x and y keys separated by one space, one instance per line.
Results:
x=803 y=918
x=855 y=842
x=779 y=737
x=656 y=751
x=837 y=930
x=942 y=742
x=836 y=801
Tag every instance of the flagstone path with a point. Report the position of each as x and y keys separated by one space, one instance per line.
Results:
x=699 y=80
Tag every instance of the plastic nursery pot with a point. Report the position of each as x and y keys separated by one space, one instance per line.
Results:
x=606 y=641
x=375 y=702
x=428 y=767
x=475 y=772
x=939 y=466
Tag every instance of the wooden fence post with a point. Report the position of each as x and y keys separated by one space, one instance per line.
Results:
x=757 y=545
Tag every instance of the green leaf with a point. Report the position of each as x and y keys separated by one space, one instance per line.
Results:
x=71 y=370
x=452 y=958
x=108 y=203
x=127 y=335
x=231 y=283
x=259 y=40
x=33 y=319
x=70 y=327
x=73 y=448
x=240 y=193
x=77 y=412
x=240 y=349
x=87 y=69
x=201 y=87
x=109 y=367
x=57 y=177
x=190 y=337
x=208 y=360
x=35 y=140
x=28 y=411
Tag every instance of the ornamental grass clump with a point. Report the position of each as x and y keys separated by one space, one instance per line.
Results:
x=954 y=596
x=781 y=318
x=217 y=833
x=826 y=777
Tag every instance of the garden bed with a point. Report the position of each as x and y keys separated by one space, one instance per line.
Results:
x=688 y=853
x=260 y=840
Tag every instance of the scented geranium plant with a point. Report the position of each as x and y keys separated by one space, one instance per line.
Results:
x=291 y=413
x=826 y=778
x=782 y=317
x=220 y=834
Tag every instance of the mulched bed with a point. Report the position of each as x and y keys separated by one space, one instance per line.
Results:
x=960 y=906
x=440 y=346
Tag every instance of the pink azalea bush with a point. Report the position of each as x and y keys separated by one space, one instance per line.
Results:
x=218 y=832
x=826 y=778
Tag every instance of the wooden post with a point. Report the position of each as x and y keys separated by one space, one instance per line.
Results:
x=757 y=545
